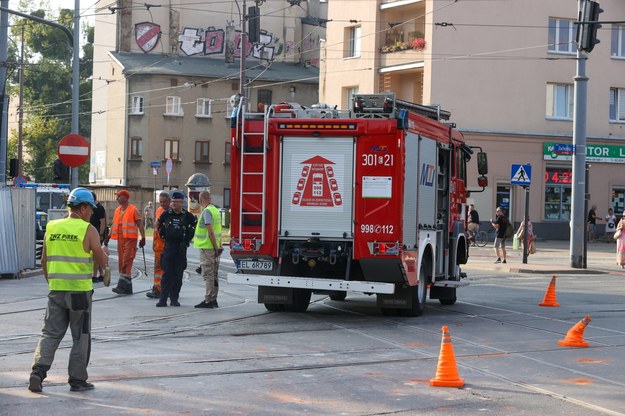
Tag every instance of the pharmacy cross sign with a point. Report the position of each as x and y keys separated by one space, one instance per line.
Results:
x=521 y=175
x=73 y=150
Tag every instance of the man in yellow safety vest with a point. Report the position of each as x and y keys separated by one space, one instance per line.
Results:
x=208 y=239
x=71 y=246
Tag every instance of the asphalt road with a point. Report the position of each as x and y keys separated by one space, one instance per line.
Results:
x=339 y=358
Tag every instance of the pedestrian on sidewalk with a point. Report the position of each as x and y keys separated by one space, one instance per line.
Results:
x=127 y=225
x=158 y=246
x=208 y=240
x=592 y=224
x=71 y=248
x=619 y=235
x=500 y=224
x=610 y=225
x=530 y=236
x=473 y=224
x=177 y=227
x=148 y=215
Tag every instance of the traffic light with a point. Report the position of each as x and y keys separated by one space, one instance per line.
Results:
x=13 y=170
x=587 y=33
x=253 y=16
x=61 y=171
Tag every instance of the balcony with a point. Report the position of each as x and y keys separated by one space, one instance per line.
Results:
x=401 y=53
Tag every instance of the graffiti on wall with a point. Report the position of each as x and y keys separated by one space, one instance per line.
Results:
x=213 y=41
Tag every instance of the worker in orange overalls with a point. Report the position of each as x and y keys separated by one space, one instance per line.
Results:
x=127 y=225
x=158 y=246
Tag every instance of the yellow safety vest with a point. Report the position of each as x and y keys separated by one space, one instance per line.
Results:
x=68 y=266
x=201 y=238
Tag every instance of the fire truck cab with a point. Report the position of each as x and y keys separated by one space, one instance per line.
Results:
x=369 y=200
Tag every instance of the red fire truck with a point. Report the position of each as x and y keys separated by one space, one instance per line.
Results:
x=369 y=200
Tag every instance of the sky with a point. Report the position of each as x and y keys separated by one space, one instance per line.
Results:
x=87 y=7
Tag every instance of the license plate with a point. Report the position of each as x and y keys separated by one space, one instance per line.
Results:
x=256 y=265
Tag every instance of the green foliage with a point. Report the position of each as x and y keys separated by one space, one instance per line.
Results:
x=48 y=86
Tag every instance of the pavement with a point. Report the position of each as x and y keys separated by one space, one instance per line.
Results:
x=551 y=257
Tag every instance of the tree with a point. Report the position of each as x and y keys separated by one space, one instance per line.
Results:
x=48 y=87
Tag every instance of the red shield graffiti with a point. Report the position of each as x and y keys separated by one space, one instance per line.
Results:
x=147 y=35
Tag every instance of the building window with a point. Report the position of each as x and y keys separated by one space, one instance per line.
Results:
x=204 y=106
x=352 y=41
x=264 y=97
x=137 y=105
x=173 y=107
x=617 y=104
x=558 y=193
x=618 y=41
x=560 y=101
x=171 y=149
x=562 y=34
x=618 y=199
x=227 y=154
x=136 y=148
x=202 y=152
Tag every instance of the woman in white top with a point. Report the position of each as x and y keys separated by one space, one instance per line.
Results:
x=610 y=225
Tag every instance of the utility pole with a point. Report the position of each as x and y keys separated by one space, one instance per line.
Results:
x=75 y=83
x=578 y=221
x=243 y=40
x=4 y=51
x=20 y=121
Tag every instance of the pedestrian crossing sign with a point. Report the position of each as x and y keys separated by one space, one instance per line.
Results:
x=521 y=175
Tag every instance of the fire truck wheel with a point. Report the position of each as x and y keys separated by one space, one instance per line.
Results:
x=338 y=295
x=301 y=299
x=274 y=307
x=449 y=301
x=419 y=294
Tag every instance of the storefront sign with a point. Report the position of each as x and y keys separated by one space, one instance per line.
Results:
x=594 y=153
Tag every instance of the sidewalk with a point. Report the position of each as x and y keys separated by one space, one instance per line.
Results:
x=552 y=257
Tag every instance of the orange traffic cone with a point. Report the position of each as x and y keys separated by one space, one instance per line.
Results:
x=575 y=336
x=550 y=294
x=446 y=371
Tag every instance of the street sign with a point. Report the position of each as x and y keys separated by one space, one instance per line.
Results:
x=169 y=165
x=19 y=180
x=155 y=164
x=521 y=175
x=73 y=150
x=154 y=171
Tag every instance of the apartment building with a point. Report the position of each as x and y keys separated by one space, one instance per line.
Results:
x=504 y=69
x=163 y=76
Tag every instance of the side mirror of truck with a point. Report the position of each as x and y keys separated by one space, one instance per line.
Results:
x=482 y=163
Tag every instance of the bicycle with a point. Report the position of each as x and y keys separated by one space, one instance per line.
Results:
x=480 y=238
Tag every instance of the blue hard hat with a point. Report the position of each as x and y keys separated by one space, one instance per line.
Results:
x=80 y=196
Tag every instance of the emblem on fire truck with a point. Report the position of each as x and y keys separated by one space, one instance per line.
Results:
x=147 y=35
x=317 y=185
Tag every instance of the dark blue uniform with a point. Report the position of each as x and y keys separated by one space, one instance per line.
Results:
x=177 y=230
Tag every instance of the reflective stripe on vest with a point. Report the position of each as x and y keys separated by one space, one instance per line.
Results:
x=127 y=222
x=201 y=238
x=68 y=266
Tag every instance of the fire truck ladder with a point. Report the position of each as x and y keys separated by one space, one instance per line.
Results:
x=253 y=213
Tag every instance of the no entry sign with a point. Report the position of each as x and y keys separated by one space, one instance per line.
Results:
x=73 y=150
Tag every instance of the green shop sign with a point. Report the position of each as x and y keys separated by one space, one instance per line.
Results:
x=594 y=152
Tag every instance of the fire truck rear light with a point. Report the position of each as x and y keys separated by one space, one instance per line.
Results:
x=386 y=249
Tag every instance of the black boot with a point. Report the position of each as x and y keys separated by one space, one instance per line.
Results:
x=154 y=293
x=124 y=286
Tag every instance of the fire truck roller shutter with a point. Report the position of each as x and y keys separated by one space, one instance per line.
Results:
x=317 y=187
x=410 y=185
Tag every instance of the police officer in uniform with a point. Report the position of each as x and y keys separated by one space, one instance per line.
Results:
x=71 y=247
x=176 y=227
